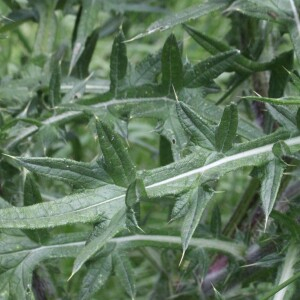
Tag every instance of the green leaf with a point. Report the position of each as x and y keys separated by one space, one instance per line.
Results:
x=279 y=101
x=215 y=222
x=241 y=64
x=124 y=272
x=54 y=85
x=32 y=194
x=115 y=225
x=45 y=37
x=172 y=74
x=204 y=72
x=270 y=186
x=118 y=62
x=96 y=276
x=185 y=15
x=281 y=149
x=266 y=10
x=198 y=129
x=135 y=193
x=87 y=21
x=83 y=207
x=226 y=131
x=298 y=118
x=199 y=199
x=78 y=174
x=117 y=161
x=283 y=115
x=282 y=64
x=181 y=207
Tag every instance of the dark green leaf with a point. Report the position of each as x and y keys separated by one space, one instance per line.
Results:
x=198 y=129
x=281 y=149
x=215 y=222
x=298 y=119
x=135 y=193
x=172 y=74
x=96 y=276
x=118 y=62
x=204 y=72
x=116 y=157
x=181 y=207
x=54 y=85
x=226 y=131
x=124 y=272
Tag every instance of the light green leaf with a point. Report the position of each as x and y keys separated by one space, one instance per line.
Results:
x=117 y=161
x=45 y=37
x=277 y=101
x=115 y=225
x=204 y=72
x=281 y=149
x=172 y=74
x=124 y=272
x=78 y=174
x=226 y=131
x=185 y=15
x=198 y=129
x=96 y=276
x=135 y=193
x=270 y=186
x=199 y=198
x=118 y=62
x=87 y=206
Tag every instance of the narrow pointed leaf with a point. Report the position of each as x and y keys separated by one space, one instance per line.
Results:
x=115 y=225
x=118 y=62
x=116 y=157
x=226 y=131
x=124 y=272
x=32 y=194
x=198 y=129
x=181 y=207
x=96 y=276
x=78 y=174
x=240 y=64
x=199 y=198
x=87 y=21
x=270 y=185
x=54 y=85
x=172 y=74
x=185 y=15
x=204 y=72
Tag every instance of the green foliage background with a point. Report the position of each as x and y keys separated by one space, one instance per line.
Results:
x=149 y=149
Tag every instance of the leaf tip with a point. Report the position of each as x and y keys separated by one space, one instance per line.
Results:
x=182 y=257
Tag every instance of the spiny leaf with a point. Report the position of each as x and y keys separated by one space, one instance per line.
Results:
x=116 y=157
x=78 y=174
x=116 y=224
x=277 y=101
x=204 y=72
x=135 y=193
x=270 y=186
x=172 y=75
x=199 y=198
x=281 y=149
x=198 y=129
x=124 y=272
x=185 y=15
x=96 y=276
x=118 y=62
x=226 y=131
